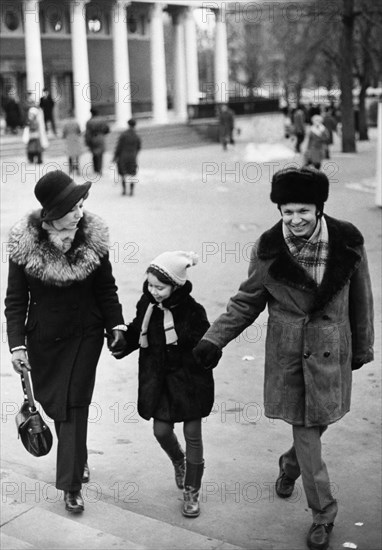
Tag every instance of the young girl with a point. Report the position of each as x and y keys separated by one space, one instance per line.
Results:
x=172 y=386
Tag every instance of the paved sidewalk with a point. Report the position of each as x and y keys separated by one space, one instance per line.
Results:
x=216 y=203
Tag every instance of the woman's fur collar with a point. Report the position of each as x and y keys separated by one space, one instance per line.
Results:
x=31 y=248
x=343 y=259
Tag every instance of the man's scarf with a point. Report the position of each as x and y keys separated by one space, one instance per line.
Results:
x=168 y=326
x=312 y=254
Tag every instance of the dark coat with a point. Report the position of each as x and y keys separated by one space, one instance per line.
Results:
x=126 y=151
x=95 y=132
x=172 y=387
x=315 y=334
x=59 y=305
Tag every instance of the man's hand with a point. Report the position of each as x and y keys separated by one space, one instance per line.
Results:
x=20 y=360
x=207 y=354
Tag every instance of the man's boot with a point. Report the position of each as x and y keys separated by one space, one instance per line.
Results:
x=192 y=484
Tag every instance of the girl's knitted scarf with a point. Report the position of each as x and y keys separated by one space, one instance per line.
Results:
x=312 y=254
x=168 y=325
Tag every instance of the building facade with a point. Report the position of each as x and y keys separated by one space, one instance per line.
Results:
x=123 y=57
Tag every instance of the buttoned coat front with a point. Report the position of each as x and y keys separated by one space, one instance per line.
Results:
x=59 y=305
x=314 y=333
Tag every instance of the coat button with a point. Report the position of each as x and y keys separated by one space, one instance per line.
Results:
x=326 y=353
x=58 y=339
x=306 y=355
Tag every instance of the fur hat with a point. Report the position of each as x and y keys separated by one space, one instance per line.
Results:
x=58 y=193
x=173 y=265
x=300 y=185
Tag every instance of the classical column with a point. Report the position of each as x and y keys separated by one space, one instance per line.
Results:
x=122 y=82
x=33 y=55
x=180 y=97
x=158 y=65
x=191 y=58
x=80 y=62
x=221 y=58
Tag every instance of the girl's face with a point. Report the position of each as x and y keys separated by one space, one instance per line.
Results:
x=301 y=219
x=71 y=219
x=160 y=291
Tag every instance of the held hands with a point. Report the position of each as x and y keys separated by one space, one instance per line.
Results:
x=117 y=343
x=20 y=360
x=207 y=354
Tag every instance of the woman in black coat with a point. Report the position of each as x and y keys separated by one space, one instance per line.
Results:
x=61 y=296
x=172 y=387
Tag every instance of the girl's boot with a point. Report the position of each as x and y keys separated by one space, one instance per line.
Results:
x=178 y=459
x=192 y=484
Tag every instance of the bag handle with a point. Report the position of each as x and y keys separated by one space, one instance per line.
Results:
x=27 y=388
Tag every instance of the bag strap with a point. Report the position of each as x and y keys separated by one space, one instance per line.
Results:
x=27 y=387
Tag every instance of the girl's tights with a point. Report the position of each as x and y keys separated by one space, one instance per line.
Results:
x=192 y=430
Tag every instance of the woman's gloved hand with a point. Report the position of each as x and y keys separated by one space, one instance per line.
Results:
x=20 y=360
x=207 y=354
x=117 y=343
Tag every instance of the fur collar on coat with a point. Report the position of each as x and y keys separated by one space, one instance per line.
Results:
x=343 y=260
x=30 y=247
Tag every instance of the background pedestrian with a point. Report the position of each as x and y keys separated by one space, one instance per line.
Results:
x=47 y=106
x=71 y=133
x=226 y=125
x=316 y=147
x=95 y=132
x=34 y=135
x=125 y=155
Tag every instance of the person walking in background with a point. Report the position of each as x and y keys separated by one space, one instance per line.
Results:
x=13 y=114
x=34 y=135
x=71 y=133
x=330 y=123
x=311 y=271
x=95 y=132
x=226 y=126
x=172 y=388
x=317 y=143
x=125 y=155
x=299 y=127
x=61 y=295
x=47 y=106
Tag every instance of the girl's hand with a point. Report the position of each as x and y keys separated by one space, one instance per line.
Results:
x=19 y=360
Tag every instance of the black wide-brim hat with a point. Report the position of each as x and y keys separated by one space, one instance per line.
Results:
x=300 y=185
x=58 y=193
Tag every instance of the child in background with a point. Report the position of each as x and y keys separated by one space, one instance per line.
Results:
x=172 y=387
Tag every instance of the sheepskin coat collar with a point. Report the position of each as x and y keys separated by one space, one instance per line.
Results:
x=344 y=239
x=30 y=246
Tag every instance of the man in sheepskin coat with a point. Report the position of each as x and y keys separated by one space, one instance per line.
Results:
x=311 y=271
x=61 y=296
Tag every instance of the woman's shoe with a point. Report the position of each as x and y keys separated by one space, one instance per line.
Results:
x=86 y=474
x=74 y=502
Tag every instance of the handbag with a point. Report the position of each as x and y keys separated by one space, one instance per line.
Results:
x=32 y=429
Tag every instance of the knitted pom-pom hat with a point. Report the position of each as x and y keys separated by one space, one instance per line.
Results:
x=174 y=264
